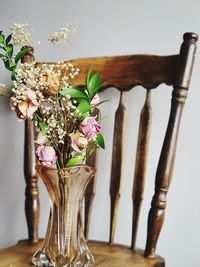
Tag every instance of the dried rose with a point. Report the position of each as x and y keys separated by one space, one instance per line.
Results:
x=28 y=102
x=78 y=141
x=46 y=155
x=90 y=127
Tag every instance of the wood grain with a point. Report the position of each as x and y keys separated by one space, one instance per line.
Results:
x=125 y=72
x=32 y=204
x=117 y=163
x=89 y=195
x=105 y=256
x=141 y=163
x=91 y=188
x=167 y=157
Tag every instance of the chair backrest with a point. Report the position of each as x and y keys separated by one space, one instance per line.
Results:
x=124 y=73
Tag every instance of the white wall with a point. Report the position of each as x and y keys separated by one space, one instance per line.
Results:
x=111 y=28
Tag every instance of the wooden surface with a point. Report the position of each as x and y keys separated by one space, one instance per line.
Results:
x=141 y=163
x=104 y=254
x=168 y=152
x=125 y=72
x=89 y=195
x=32 y=203
x=117 y=163
x=91 y=188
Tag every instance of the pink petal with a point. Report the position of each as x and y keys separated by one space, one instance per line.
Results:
x=31 y=110
x=95 y=100
x=23 y=107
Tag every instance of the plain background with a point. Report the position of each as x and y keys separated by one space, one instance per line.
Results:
x=109 y=27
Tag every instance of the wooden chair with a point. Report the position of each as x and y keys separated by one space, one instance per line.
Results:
x=123 y=73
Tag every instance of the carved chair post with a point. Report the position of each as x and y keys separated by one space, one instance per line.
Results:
x=166 y=162
x=32 y=205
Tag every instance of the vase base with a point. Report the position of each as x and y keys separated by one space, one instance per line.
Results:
x=78 y=262
x=41 y=259
x=84 y=260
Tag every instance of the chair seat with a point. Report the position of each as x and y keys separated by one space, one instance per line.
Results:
x=104 y=254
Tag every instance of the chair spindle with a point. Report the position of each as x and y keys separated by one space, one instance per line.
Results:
x=89 y=195
x=32 y=204
x=141 y=163
x=117 y=163
x=166 y=162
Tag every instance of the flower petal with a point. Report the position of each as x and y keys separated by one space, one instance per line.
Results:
x=23 y=107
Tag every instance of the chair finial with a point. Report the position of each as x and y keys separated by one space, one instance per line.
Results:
x=190 y=36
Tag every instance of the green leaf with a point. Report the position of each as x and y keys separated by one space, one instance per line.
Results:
x=37 y=117
x=94 y=85
x=74 y=161
x=89 y=76
x=7 y=64
x=11 y=88
x=42 y=126
x=104 y=101
x=8 y=39
x=10 y=65
x=20 y=54
x=100 y=140
x=2 y=38
x=13 y=75
x=83 y=107
x=74 y=93
x=1 y=55
x=9 y=50
x=91 y=150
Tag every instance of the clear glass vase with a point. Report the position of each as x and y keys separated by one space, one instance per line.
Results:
x=40 y=257
x=64 y=244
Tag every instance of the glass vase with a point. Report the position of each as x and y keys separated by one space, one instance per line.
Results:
x=64 y=244
x=40 y=257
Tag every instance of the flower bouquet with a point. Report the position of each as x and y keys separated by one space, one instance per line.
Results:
x=67 y=122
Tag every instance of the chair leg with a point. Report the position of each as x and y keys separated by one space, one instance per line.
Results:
x=32 y=205
x=155 y=222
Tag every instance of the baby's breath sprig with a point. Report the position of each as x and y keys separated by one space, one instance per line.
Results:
x=62 y=34
x=20 y=35
x=7 y=53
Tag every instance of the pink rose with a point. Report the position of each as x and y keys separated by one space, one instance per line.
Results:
x=29 y=103
x=90 y=127
x=78 y=141
x=46 y=155
x=95 y=100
